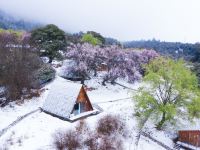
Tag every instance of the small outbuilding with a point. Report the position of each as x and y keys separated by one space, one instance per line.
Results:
x=68 y=101
x=189 y=139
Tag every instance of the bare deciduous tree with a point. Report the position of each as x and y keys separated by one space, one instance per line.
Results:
x=17 y=65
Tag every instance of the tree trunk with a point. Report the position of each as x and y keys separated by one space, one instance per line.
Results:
x=105 y=79
x=113 y=82
x=50 y=60
x=162 y=121
x=104 y=82
x=95 y=72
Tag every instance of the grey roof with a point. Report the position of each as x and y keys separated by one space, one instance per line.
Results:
x=62 y=97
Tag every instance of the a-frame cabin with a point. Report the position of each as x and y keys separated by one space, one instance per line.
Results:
x=67 y=100
x=82 y=103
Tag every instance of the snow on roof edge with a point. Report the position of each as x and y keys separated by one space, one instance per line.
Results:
x=62 y=97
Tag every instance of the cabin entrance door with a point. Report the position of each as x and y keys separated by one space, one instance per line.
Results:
x=81 y=107
x=78 y=108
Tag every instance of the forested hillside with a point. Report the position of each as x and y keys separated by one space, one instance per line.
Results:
x=9 y=22
x=175 y=49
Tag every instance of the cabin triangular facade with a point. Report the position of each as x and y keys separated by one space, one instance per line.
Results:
x=82 y=103
x=67 y=100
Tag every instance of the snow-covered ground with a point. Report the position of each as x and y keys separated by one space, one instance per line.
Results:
x=35 y=132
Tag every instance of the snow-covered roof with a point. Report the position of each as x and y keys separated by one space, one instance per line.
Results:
x=62 y=97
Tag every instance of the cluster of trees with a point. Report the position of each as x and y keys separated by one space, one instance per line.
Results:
x=119 y=63
x=74 y=38
x=196 y=69
x=112 y=41
x=49 y=40
x=173 y=49
x=20 y=65
x=176 y=50
x=52 y=41
x=172 y=93
x=21 y=68
x=17 y=64
x=95 y=38
x=89 y=38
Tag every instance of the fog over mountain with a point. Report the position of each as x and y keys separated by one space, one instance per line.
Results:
x=169 y=20
x=9 y=22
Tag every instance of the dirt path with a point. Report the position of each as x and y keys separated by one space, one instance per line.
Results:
x=3 y=131
x=114 y=100
x=156 y=141
x=126 y=87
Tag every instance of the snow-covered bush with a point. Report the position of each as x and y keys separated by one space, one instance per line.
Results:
x=110 y=143
x=45 y=59
x=82 y=127
x=109 y=124
x=91 y=142
x=100 y=138
x=44 y=74
x=67 y=140
x=2 y=91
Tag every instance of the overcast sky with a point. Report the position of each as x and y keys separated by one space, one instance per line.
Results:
x=168 y=20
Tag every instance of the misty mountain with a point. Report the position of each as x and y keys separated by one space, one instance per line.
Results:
x=9 y=22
